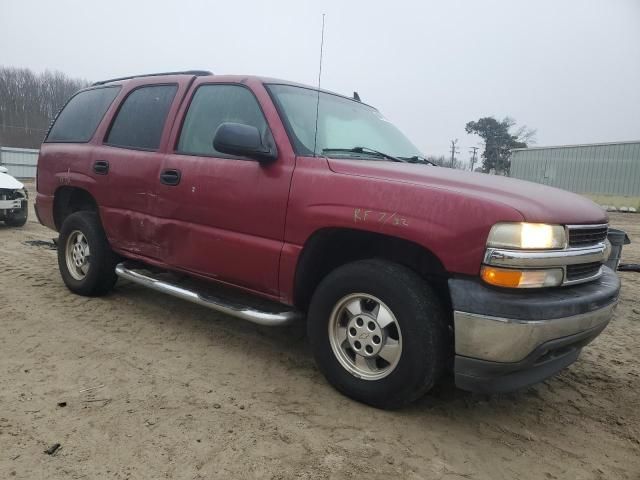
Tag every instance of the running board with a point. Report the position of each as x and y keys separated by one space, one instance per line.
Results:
x=144 y=277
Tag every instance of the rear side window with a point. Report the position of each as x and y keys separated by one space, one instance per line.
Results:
x=141 y=118
x=211 y=106
x=78 y=120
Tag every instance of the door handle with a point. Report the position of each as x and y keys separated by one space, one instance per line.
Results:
x=101 y=167
x=170 y=177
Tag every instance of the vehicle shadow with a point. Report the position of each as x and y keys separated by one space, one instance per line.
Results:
x=291 y=343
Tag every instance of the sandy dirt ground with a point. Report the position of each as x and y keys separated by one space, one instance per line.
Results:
x=159 y=388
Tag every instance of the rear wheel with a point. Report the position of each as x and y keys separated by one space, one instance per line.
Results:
x=86 y=261
x=378 y=333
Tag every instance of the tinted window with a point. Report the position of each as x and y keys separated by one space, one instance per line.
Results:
x=213 y=105
x=80 y=117
x=141 y=117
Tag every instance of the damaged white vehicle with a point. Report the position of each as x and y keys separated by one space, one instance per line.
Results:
x=13 y=200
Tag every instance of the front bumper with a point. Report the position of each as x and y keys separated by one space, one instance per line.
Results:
x=12 y=204
x=506 y=340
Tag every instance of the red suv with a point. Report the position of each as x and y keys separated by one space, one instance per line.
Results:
x=311 y=204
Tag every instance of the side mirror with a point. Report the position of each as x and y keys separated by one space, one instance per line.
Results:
x=3 y=169
x=243 y=140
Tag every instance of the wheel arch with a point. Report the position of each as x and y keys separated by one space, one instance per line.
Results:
x=68 y=200
x=329 y=248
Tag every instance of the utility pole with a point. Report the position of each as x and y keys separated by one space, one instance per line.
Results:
x=473 y=151
x=454 y=150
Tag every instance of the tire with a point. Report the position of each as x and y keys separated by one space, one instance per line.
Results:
x=17 y=219
x=82 y=232
x=417 y=333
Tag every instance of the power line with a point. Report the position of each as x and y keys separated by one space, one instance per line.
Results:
x=454 y=150
x=473 y=156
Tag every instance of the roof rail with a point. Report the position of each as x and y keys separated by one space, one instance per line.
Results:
x=197 y=73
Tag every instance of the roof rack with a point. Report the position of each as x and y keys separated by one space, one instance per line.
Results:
x=197 y=73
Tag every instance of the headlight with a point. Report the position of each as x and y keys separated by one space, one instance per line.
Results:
x=527 y=236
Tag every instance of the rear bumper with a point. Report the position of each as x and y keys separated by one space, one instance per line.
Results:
x=507 y=340
x=43 y=207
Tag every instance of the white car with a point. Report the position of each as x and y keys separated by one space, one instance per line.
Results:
x=13 y=200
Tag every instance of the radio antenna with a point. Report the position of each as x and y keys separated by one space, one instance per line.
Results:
x=315 y=135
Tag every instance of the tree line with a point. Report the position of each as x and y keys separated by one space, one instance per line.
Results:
x=443 y=161
x=29 y=102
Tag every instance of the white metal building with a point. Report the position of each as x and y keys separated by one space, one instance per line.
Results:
x=609 y=173
x=21 y=162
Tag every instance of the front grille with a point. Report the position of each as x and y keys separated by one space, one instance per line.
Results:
x=582 y=270
x=8 y=194
x=582 y=237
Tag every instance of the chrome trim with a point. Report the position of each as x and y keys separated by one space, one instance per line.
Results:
x=239 y=311
x=594 y=225
x=536 y=259
x=545 y=258
x=509 y=340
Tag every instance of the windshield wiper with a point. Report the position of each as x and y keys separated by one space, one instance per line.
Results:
x=365 y=150
x=419 y=159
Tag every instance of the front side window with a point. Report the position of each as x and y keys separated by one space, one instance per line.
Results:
x=140 y=120
x=213 y=105
x=342 y=124
x=80 y=117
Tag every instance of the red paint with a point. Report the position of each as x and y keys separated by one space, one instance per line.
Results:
x=245 y=224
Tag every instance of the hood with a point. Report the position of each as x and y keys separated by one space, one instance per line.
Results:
x=535 y=202
x=8 y=182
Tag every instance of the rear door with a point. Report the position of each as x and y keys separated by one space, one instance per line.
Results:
x=127 y=164
x=65 y=155
x=224 y=216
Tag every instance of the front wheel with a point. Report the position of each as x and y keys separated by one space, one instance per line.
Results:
x=86 y=261
x=378 y=333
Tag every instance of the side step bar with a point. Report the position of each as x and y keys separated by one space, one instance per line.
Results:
x=243 y=312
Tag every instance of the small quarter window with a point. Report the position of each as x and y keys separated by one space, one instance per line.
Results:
x=211 y=106
x=141 y=118
x=80 y=117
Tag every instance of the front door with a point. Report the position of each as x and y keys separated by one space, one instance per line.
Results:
x=223 y=216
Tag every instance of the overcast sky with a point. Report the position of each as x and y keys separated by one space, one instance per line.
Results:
x=569 y=68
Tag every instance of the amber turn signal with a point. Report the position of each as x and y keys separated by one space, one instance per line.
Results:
x=505 y=277
x=501 y=277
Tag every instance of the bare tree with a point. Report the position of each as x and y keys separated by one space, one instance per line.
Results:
x=29 y=102
x=523 y=133
x=526 y=135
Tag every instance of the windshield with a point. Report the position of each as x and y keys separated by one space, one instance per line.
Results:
x=343 y=125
